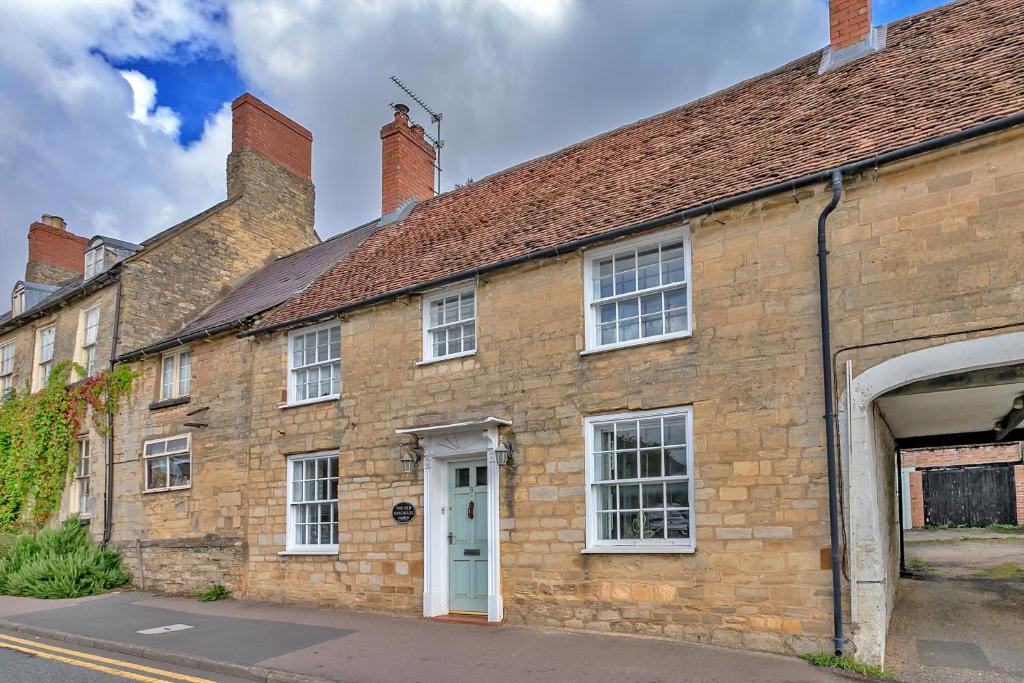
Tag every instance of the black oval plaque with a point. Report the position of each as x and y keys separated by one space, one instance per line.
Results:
x=403 y=512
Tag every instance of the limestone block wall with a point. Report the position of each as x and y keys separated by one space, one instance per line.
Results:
x=190 y=538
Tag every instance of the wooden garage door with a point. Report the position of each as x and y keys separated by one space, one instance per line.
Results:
x=970 y=496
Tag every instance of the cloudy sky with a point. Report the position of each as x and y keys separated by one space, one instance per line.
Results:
x=115 y=113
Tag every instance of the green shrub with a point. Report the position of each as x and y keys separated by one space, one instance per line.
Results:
x=58 y=562
x=216 y=592
x=837 y=663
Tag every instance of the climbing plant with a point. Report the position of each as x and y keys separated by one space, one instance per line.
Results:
x=37 y=438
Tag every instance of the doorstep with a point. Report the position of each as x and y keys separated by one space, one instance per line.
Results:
x=472 y=619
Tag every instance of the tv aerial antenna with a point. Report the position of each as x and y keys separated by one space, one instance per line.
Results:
x=435 y=118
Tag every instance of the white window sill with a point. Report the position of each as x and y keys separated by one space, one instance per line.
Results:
x=321 y=553
x=454 y=356
x=168 y=488
x=312 y=401
x=639 y=549
x=637 y=342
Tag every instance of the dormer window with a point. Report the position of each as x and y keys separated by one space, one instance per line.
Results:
x=93 y=262
x=18 y=301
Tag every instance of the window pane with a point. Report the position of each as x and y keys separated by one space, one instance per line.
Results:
x=654 y=496
x=606 y=313
x=156 y=447
x=675 y=298
x=156 y=473
x=606 y=526
x=675 y=462
x=625 y=274
x=605 y=440
x=451 y=309
x=625 y=465
x=675 y=431
x=603 y=466
x=629 y=330
x=468 y=306
x=648 y=268
x=606 y=497
x=678 y=524
x=673 y=271
x=631 y=526
x=629 y=497
x=436 y=312
x=184 y=373
x=167 y=390
x=625 y=434
x=462 y=476
x=607 y=333
x=481 y=476
x=650 y=433
x=678 y=494
x=180 y=470
x=629 y=308
x=178 y=444
x=650 y=462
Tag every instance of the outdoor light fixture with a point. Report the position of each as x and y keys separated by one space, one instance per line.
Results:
x=410 y=458
x=503 y=453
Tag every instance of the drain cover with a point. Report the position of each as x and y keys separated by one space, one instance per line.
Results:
x=163 y=629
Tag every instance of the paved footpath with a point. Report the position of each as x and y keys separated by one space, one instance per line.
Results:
x=259 y=641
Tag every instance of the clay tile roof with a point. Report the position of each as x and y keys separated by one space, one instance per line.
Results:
x=279 y=280
x=941 y=71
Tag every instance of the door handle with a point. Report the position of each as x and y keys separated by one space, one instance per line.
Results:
x=450 y=538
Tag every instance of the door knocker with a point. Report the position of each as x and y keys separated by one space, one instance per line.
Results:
x=470 y=511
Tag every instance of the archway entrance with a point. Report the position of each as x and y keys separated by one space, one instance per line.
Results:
x=957 y=393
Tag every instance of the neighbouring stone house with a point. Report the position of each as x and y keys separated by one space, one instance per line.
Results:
x=86 y=299
x=586 y=392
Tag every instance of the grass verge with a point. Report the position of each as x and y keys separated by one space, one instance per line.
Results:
x=847 y=664
x=1006 y=570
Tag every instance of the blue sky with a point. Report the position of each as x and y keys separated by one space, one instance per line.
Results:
x=116 y=116
x=196 y=88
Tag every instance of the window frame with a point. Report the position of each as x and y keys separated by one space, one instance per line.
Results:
x=97 y=262
x=291 y=547
x=44 y=375
x=176 y=392
x=18 y=299
x=167 y=456
x=428 y=341
x=7 y=367
x=77 y=507
x=292 y=370
x=590 y=303
x=638 y=546
x=87 y=346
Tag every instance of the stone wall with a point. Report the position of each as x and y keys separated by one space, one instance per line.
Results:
x=191 y=538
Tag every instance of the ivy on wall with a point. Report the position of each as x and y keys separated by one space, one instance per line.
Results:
x=38 y=433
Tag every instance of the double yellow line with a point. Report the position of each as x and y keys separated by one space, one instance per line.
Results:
x=107 y=665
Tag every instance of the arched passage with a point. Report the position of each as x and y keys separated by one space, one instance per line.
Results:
x=867 y=450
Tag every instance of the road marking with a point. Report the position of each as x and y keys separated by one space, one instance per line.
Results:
x=96 y=658
x=164 y=629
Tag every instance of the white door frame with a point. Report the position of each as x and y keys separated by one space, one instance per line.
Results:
x=871 y=570
x=442 y=445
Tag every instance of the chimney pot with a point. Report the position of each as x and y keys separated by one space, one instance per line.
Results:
x=54 y=221
x=401 y=109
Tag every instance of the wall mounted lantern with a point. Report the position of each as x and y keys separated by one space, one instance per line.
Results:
x=503 y=453
x=411 y=456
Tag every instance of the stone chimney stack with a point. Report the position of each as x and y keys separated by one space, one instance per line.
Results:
x=407 y=162
x=271 y=165
x=54 y=254
x=849 y=22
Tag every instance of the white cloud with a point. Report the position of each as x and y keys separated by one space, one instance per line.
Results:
x=514 y=78
x=144 y=106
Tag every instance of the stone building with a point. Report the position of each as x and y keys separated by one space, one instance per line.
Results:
x=86 y=299
x=587 y=392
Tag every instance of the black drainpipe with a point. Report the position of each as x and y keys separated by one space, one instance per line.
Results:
x=830 y=413
x=108 y=494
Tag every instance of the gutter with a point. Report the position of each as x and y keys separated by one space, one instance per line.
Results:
x=686 y=214
x=830 y=412
x=180 y=341
x=108 y=494
x=83 y=289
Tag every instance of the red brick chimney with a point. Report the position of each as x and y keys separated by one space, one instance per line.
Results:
x=407 y=162
x=268 y=132
x=849 y=22
x=54 y=254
